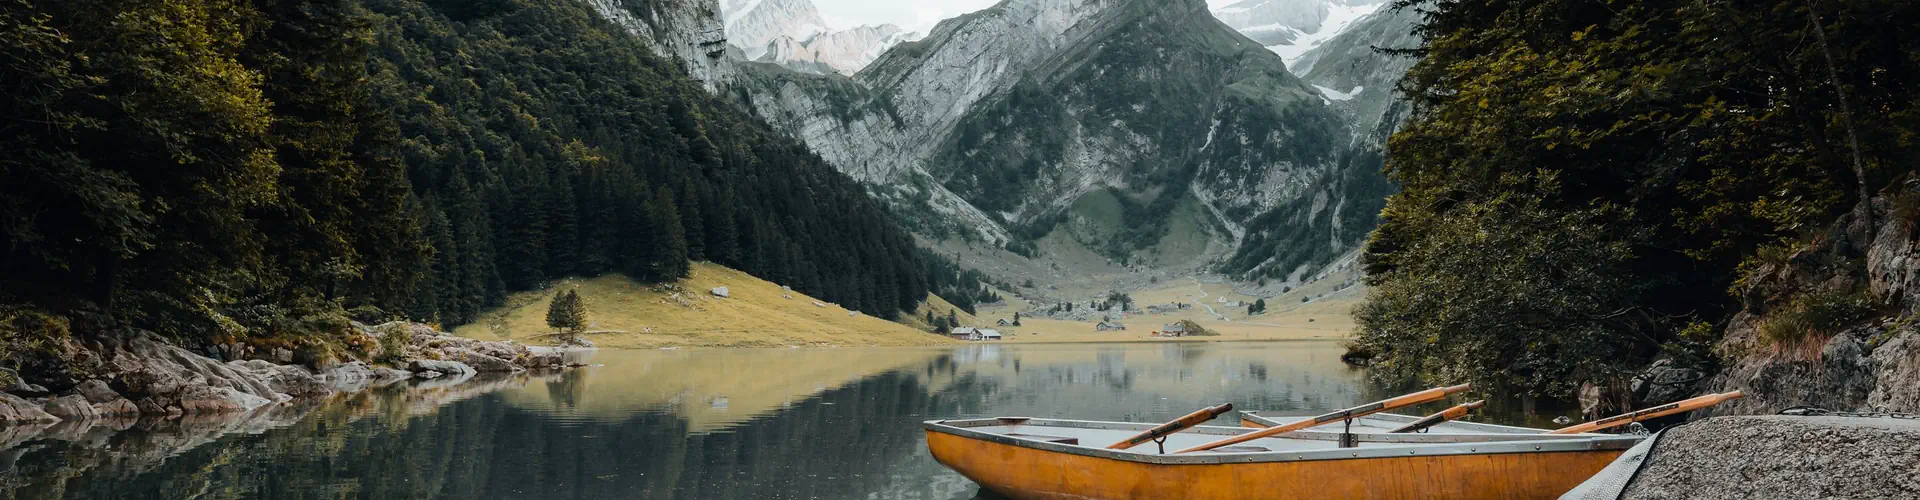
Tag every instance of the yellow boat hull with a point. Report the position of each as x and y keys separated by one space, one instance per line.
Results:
x=1024 y=472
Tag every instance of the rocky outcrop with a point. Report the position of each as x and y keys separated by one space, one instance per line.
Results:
x=1871 y=365
x=71 y=407
x=792 y=33
x=1292 y=27
x=689 y=32
x=1783 y=457
x=14 y=410
x=845 y=52
x=753 y=24
x=1358 y=80
x=433 y=368
x=146 y=375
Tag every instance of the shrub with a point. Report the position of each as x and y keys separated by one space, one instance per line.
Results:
x=1815 y=316
x=369 y=314
x=394 y=339
x=33 y=340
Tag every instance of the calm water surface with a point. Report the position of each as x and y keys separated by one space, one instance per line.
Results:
x=701 y=423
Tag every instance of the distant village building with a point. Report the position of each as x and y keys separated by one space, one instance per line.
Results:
x=987 y=335
x=963 y=333
x=1004 y=322
x=1109 y=326
x=1174 y=330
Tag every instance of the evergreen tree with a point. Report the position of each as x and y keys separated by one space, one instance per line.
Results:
x=669 y=237
x=567 y=313
x=563 y=243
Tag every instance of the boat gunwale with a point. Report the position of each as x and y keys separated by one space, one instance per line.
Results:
x=963 y=428
x=1398 y=418
x=1481 y=431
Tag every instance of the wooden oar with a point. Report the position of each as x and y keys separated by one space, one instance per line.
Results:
x=1444 y=416
x=1434 y=394
x=1654 y=412
x=1181 y=424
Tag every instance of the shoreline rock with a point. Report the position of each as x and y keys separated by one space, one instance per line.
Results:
x=1870 y=364
x=147 y=376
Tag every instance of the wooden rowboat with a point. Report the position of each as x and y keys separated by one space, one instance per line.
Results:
x=1031 y=458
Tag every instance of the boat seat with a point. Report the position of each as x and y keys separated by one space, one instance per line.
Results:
x=1046 y=439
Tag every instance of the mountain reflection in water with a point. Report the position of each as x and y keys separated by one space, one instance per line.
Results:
x=703 y=423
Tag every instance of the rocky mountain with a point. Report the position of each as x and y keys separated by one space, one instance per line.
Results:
x=1357 y=82
x=1291 y=28
x=752 y=24
x=1357 y=78
x=792 y=33
x=844 y=52
x=1144 y=130
x=688 y=31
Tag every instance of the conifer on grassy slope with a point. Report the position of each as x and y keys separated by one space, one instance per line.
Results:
x=240 y=168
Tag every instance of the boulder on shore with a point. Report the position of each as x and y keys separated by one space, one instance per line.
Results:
x=1783 y=456
x=483 y=363
x=454 y=368
x=96 y=392
x=14 y=410
x=70 y=407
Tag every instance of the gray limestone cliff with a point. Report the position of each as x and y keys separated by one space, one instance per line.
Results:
x=689 y=32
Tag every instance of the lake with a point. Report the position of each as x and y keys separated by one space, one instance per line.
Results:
x=704 y=423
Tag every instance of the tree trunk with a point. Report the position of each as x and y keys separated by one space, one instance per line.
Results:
x=1863 y=211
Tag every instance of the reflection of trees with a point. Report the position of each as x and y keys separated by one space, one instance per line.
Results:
x=566 y=389
x=482 y=448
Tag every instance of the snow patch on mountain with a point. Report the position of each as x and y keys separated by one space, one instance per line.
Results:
x=1291 y=28
x=1335 y=95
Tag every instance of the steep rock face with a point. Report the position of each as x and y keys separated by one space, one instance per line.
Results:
x=687 y=31
x=792 y=33
x=1359 y=80
x=1357 y=83
x=934 y=82
x=1290 y=28
x=845 y=52
x=1871 y=365
x=753 y=24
